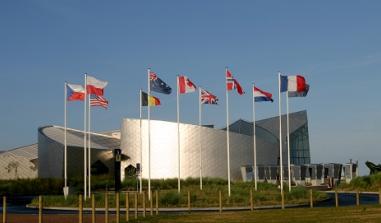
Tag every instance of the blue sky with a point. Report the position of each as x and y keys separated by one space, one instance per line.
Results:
x=335 y=44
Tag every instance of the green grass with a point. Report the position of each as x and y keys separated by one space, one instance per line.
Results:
x=267 y=194
x=363 y=183
x=361 y=214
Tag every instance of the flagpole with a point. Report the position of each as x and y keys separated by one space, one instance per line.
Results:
x=227 y=134
x=65 y=189
x=141 y=142
x=178 y=134
x=89 y=144
x=288 y=146
x=254 y=144
x=280 y=136
x=200 y=135
x=84 y=144
x=149 y=134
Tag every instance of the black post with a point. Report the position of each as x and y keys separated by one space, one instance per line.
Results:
x=117 y=159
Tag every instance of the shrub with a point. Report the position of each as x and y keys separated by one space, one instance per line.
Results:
x=170 y=198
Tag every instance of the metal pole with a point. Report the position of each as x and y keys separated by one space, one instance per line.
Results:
x=280 y=137
x=65 y=189
x=89 y=146
x=149 y=131
x=288 y=145
x=199 y=133
x=254 y=144
x=85 y=143
x=178 y=134
x=141 y=141
x=227 y=135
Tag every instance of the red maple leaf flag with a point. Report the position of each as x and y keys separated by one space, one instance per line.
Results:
x=186 y=85
x=232 y=83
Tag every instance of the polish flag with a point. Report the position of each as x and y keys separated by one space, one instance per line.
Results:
x=186 y=85
x=95 y=86
x=75 y=92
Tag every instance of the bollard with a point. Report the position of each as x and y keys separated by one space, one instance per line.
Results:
x=136 y=205
x=127 y=208
x=106 y=207
x=251 y=199
x=336 y=199
x=80 y=209
x=220 y=200
x=282 y=199
x=357 y=198
x=40 y=209
x=189 y=202
x=117 y=207
x=4 y=209
x=311 y=199
x=157 y=202
x=144 y=204
x=92 y=208
x=150 y=203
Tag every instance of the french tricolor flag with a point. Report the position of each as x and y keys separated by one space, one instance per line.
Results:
x=296 y=83
x=95 y=86
x=75 y=92
x=260 y=95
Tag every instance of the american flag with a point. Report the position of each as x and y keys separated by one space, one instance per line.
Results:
x=208 y=98
x=99 y=101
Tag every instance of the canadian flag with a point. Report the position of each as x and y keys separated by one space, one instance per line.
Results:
x=186 y=85
x=95 y=86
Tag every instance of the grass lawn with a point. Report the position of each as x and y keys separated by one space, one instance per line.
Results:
x=303 y=215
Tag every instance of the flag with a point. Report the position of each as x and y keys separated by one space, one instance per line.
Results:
x=149 y=100
x=186 y=85
x=299 y=94
x=95 y=86
x=75 y=92
x=232 y=83
x=208 y=98
x=96 y=100
x=260 y=95
x=158 y=85
x=296 y=83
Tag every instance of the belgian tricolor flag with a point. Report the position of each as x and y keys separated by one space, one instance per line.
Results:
x=149 y=100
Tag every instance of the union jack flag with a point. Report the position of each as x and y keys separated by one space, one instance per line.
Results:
x=99 y=101
x=208 y=98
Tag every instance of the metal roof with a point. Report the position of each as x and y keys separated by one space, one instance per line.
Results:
x=75 y=138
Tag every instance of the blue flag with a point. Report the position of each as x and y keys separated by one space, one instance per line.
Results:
x=158 y=85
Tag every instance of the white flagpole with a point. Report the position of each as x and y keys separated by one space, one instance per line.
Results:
x=89 y=144
x=288 y=145
x=200 y=135
x=280 y=136
x=149 y=135
x=254 y=143
x=178 y=134
x=141 y=144
x=65 y=189
x=227 y=133
x=85 y=144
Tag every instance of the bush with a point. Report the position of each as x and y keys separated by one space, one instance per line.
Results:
x=170 y=198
